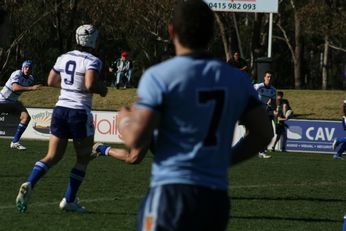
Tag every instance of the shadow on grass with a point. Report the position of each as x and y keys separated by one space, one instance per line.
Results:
x=289 y=199
x=285 y=219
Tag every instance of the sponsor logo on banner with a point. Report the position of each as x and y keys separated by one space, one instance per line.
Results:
x=105 y=123
x=40 y=122
x=312 y=135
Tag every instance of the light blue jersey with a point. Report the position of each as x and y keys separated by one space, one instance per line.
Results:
x=199 y=100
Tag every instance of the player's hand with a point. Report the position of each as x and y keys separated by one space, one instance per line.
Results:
x=124 y=112
x=36 y=87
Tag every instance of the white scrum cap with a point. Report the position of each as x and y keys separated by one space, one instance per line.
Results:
x=86 y=36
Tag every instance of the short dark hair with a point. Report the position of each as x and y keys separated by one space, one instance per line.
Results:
x=193 y=22
x=280 y=93
x=268 y=72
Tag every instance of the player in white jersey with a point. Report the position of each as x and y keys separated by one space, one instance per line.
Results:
x=187 y=109
x=76 y=73
x=267 y=94
x=19 y=82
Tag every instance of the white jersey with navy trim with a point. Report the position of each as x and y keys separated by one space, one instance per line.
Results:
x=72 y=67
x=7 y=94
x=200 y=100
x=265 y=92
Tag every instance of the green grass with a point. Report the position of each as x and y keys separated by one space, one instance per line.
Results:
x=309 y=104
x=291 y=191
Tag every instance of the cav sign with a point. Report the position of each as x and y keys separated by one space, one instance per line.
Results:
x=254 y=6
x=313 y=135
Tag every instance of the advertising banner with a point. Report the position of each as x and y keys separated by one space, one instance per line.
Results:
x=8 y=123
x=254 y=6
x=313 y=135
x=105 y=123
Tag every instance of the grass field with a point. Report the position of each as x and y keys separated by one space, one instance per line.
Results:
x=291 y=191
x=307 y=104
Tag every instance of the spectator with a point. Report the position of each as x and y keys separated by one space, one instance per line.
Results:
x=238 y=62
x=341 y=140
x=71 y=118
x=267 y=94
x=129 y=73
x=280 y=118
x=286 y=107
x=120 y=68
x=19 y=82
x=189 y=183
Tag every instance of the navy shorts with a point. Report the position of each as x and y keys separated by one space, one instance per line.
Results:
x=182 y=207
x=71 y=123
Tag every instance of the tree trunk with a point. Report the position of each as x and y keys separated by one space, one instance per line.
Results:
x=325 y=62
x=224 y=37
x=297 y=52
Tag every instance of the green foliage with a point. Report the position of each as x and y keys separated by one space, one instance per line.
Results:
x=291 y=191
x=43 y=30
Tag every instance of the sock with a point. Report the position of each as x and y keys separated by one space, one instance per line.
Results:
x=40 y=168
x=76 y=179
x=20 y=129
x=103 y=149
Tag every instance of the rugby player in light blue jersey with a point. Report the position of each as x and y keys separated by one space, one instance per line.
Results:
x=19 y=82
x=187 y=109
x=76 y=73
x=341 y=140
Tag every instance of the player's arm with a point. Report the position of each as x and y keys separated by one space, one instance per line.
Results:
x=54 y=79
x=93 y=84
x=259 y=134
x=18 y=87
x=136 y=127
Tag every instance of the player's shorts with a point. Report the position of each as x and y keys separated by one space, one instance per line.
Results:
x=15 y=107
x=185 y=208
x=71 y=123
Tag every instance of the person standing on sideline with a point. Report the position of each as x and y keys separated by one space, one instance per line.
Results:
x=76 y=73
x=19 y=82
x=238 y=62
x=120 y=68
x=267 y=94
x=341 y=140
x=189 y=183
x=280 y=117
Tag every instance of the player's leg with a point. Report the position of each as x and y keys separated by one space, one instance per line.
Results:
x=283 y=139
x=56 y=151
x=100 y=149
x=118 y=78
x=83 y=149
x=338 y=141
x=82 y=132
x=24 y=121
x=341 y=150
